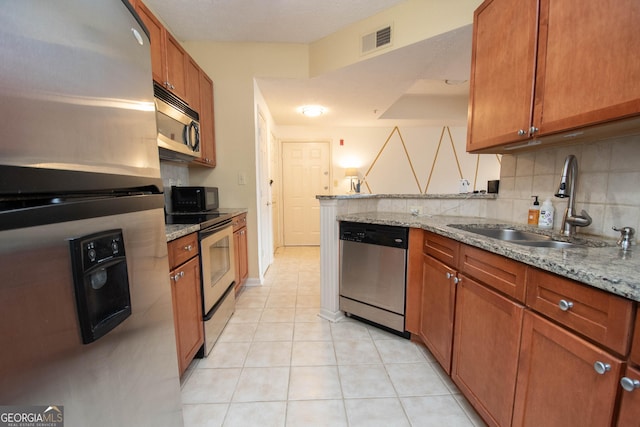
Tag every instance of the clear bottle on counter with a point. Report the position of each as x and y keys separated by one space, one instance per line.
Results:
x=545 y=220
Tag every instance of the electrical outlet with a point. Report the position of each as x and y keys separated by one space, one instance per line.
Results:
x=415 y=210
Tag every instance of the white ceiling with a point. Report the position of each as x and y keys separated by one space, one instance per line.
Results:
x=402 y=87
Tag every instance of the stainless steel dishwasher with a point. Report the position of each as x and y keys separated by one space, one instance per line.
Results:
x=373 y=267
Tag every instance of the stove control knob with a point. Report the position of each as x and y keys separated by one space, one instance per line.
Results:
x=91 y=253
x=115 y=247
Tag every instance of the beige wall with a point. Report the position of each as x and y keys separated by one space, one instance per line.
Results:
x=429 y=152
x=608 y=178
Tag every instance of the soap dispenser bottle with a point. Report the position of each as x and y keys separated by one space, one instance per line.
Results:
x=546 y=215
x=534 y=212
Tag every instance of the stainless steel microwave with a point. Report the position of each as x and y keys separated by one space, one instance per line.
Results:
x=194 y=199
x=178 y=127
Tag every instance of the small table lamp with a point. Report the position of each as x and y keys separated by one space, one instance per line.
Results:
x=352 y=173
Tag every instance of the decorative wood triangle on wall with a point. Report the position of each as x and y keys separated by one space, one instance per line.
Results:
x=395 y=129
x=445 y=129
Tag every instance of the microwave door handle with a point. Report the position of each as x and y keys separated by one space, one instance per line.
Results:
x=186 y=136
x=196 y=136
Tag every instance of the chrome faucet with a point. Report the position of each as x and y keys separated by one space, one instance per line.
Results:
x=568 y=185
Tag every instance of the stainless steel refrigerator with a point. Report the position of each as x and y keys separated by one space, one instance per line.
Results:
x=86 y=319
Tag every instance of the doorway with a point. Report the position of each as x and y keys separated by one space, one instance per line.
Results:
x=305 y=174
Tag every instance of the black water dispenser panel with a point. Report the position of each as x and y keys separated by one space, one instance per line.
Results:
x=101 y=283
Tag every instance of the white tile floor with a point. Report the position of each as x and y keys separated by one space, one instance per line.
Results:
x=278 y=364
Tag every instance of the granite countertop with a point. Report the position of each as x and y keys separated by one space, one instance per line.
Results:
x=408 y=196
x=175 y=231
x=607 y=268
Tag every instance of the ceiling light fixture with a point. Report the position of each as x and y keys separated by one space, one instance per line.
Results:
x=312 y=110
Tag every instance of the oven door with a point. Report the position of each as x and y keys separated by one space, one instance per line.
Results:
x=218 y=264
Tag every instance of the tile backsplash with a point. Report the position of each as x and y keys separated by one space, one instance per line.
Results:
x=608 y=184
x=172 y=174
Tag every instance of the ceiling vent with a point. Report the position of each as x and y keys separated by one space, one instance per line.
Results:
x=376 y=40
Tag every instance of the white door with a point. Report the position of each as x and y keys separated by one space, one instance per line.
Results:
x=276 y=183
x=305 y=174
x=264 y=199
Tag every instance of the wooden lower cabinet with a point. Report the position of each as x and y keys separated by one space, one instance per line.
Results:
x=187 y=311
x=630 y=400
x=557 y=381
x=485 y=351
x=240 y=250
x=437 y=309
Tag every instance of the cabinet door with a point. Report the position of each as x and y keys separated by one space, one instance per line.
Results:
x=630 y=401
x=176 y=73
x=414 y=281
x=485 y=350
x=502 y=72
x=588 y=66
x=156 y=37
x=557 y=383
x=207 y=123
x=635 y=345
x=187 y=311
x=193 y=83
x=242 y=264
x=436 y=316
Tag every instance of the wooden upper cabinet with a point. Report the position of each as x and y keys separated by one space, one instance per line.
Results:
x=168 y=58
x=588 y=63
x=192 y=71
x=207 y=123
x=502 y=72
x=156 y=36
x=176 y=76
x=544 y=67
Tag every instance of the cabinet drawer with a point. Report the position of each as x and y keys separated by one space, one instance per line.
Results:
x=182 y=249
x=239 y=221
x=500 y=273
x=601 y=316
x=441 y=248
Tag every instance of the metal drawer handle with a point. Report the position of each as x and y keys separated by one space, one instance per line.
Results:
x=629 y=384
x=188 y=248
x=522 y=132
x=565 y=305
x=177 y=276
x=457 y=280
x=601 y=367
x=449 y=275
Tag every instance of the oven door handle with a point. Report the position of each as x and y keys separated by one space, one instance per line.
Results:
x=211 y=312
x=213 y=230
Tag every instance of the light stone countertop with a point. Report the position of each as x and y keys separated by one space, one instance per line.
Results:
x=175 y=231
x=606 y=268
x=408 y=196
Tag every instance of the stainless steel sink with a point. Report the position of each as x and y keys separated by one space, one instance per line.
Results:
x=506 y=234
x=520 y=237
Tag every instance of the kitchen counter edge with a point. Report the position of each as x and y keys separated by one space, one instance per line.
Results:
x=606 y=268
